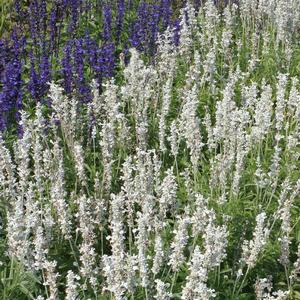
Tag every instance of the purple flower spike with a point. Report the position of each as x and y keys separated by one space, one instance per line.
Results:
x=66 y=71
x=107 y=15
x=120 y=18
x=166 y=13
x=176 y=31
x=11 y=95
x=82 y=87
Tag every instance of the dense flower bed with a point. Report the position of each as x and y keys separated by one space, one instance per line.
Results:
x=172 y=173
x=72 y=41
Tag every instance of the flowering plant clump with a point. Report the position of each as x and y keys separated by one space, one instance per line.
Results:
x=72 y=41
x=169 y=173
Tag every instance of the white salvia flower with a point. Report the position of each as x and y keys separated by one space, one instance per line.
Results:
x=249 y=96
x=221 y=165
x=209 y=129
x=155 y=165
x=262 y=180
x=7 y=172
x=40 y=249
x=22 y=154
x=294 y=98
x=47 y=162
x=37 y=157
x=88 y=261
x=231 y=122
x=18 y=244
x=65 y=111
x=173 y=138
x=38 y=148
x=275 y=165
x=40 y=298
x=227 y=32
x=282 y=19
x=128 y=281
x=111 y=103
x=58 y=193
x=146 y=182
x=253 y=61
x=192 y=76
x=187 y=24
x=279 y=122
x=285 y=216
x=279 y=295
x=108 y=270
x=94 y=134
x=188 y=183
x=212 y=19
x=79 y=162
x=280 y=102
x=142 y=128
x=285 y=251
x=285 y=190
x=128 y=189
x=48 y=220
x=248 y=9
x=51 y=279
x=167 y=193
x=138 y=90
x=166 y=100
x=161 y=290
x=296 y=268
x=293 y=142
x=73 y=119
x=57 y=100
x=166 y=53
x=179 y=243
x=201 y=215
x=131 y=269
x=242 y=149
x=252 y=249
x=123 y=136
x=107 y=144
x=97 y=100
x=209 y=68
x=261 y=285
x=72 y=286
x=226 y=108
x=263 y=290
x=255 y=37
x=263 y=114
x=33 y=211
x=113 y=118
x=100 y=205
x=262 y=9
x=141 y=243
x=189 y=126
x=284 y=211
x=159 y=254
x=117 y=245
x=86 y=228
x=215 y=238
x=139 y=80
x=196 y=285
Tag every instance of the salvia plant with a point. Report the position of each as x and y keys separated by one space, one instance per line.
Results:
x=168 y=172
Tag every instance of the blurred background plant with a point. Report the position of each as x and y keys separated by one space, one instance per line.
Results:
x=5 y=16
